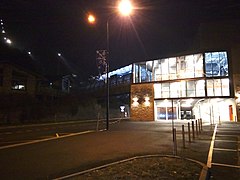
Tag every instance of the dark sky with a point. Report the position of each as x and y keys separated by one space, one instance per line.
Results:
x=157 y=28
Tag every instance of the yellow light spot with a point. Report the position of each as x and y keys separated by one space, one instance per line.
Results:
x=125 y=7
x=91 y=19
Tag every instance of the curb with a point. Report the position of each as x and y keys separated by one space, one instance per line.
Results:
x=130 y=159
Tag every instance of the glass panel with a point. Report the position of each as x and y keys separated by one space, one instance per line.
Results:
x=164 y=63
x=181 y=67
x=216 y=64
x=217 y=87
x=136 y=73
x=174 y=89
x=183 y=89
x=210 y=88
x=165 y=90
x=200 y=88
x=225 y=87
x=172 y=68
x=157 y=91
x=149 y=70
x=143 y=73
x=190 y=88
x=189 y=72
x=223 y=63
x=161 y=112
x=157 y=71
x=198 y=58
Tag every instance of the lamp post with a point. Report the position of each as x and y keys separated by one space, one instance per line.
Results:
x=125 y=9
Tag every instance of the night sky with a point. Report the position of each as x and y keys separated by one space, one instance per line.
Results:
x=156 y=29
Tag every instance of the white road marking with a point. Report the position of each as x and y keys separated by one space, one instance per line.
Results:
x=222 y=149
x=228 y=141
x=43 y=140
x=225 y=165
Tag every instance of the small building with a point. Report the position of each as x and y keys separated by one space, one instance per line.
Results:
x=17 y=80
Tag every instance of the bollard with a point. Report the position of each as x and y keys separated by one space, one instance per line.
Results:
x=98 y=118
x=193 y=132
x=199 y=126
x=219 y=120
x=183 y=136
x=174 y=142
x=189 y=132
x=201 y=123
x=196 y=127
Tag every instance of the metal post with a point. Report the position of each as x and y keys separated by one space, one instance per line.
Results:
x=107 y=103
x=174 y=142
x=183 y=136
x=193 y=132
x=172 y=120
x=189 y=132
x=199 y=126
x=196 y=127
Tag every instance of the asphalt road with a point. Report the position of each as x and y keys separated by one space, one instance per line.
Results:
x=60 y=156
x=27 y=133
x=78 y=149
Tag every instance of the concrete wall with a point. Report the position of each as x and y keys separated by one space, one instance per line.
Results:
x=140 y=111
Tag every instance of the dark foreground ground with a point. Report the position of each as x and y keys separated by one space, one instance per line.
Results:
x=147 y=168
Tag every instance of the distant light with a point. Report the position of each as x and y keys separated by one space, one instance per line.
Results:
x=3 y=32
x=5 y=38
x=59 y=54
x=122 y=108
x=29 y=52
x=1 y=23
x=125 y=7
x=147 y=101
x=91 y=19
x=8 y=41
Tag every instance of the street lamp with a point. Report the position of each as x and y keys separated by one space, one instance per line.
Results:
x=125 y=8
x=91 y=19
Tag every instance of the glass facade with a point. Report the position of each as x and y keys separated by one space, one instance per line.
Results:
x=189 y=87
x=190 y=66
x=197 y=75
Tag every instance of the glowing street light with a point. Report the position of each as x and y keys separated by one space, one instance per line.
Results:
x=91 y=19
x=59 y=54
x=125 y=7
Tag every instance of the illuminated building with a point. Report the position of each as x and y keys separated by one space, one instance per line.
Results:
x=190 y=86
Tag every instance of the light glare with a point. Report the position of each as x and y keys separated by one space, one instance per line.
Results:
x=91 y=19
x=8 y=41
x=125 y=7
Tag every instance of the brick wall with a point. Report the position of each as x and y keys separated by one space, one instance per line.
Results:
x=140 y=110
